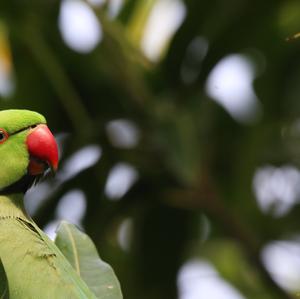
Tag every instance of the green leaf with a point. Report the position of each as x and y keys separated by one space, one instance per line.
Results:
x=4 y=291
x=81 y=252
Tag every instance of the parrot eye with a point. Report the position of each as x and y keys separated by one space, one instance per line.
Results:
x=3 y=135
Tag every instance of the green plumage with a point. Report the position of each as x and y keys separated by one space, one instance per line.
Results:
x=14 y=120
x=34 y=266
x=31 y=261
x=13 y=152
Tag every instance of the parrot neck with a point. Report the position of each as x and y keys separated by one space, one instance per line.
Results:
x=12 y=205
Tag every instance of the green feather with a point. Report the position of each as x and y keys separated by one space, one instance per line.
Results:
x=14 y=120
x=14 y=159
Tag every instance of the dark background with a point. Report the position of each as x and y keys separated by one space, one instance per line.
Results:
x=179 y=192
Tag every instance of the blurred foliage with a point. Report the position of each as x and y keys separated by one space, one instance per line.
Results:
x=192 y=158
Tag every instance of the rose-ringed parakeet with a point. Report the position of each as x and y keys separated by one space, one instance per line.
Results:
x=34 y=266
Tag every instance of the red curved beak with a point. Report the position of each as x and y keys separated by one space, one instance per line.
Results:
x=43 y=150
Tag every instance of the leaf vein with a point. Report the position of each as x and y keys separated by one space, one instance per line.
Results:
x=75 y=252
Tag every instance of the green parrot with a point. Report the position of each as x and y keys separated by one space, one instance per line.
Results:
x=31 y=261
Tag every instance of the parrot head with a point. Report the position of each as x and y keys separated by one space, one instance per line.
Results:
x=27 y=150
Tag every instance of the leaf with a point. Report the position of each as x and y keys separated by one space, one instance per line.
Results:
x=4 y=291
x=81 y=252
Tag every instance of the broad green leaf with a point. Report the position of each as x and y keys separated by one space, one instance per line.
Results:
x=81 y=252
x=4 y=292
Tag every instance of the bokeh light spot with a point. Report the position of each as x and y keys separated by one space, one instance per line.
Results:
x=282 y=260
x=79 y=26
x=165 y=18
x=125 y=233
x=72 y=207
x=277 y=189
x=123 y=133
x=120 y=179
x=230 y=85
x=197 y=279
x=82 y=159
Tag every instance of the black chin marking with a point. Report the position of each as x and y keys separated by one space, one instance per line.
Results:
x=22 y=185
